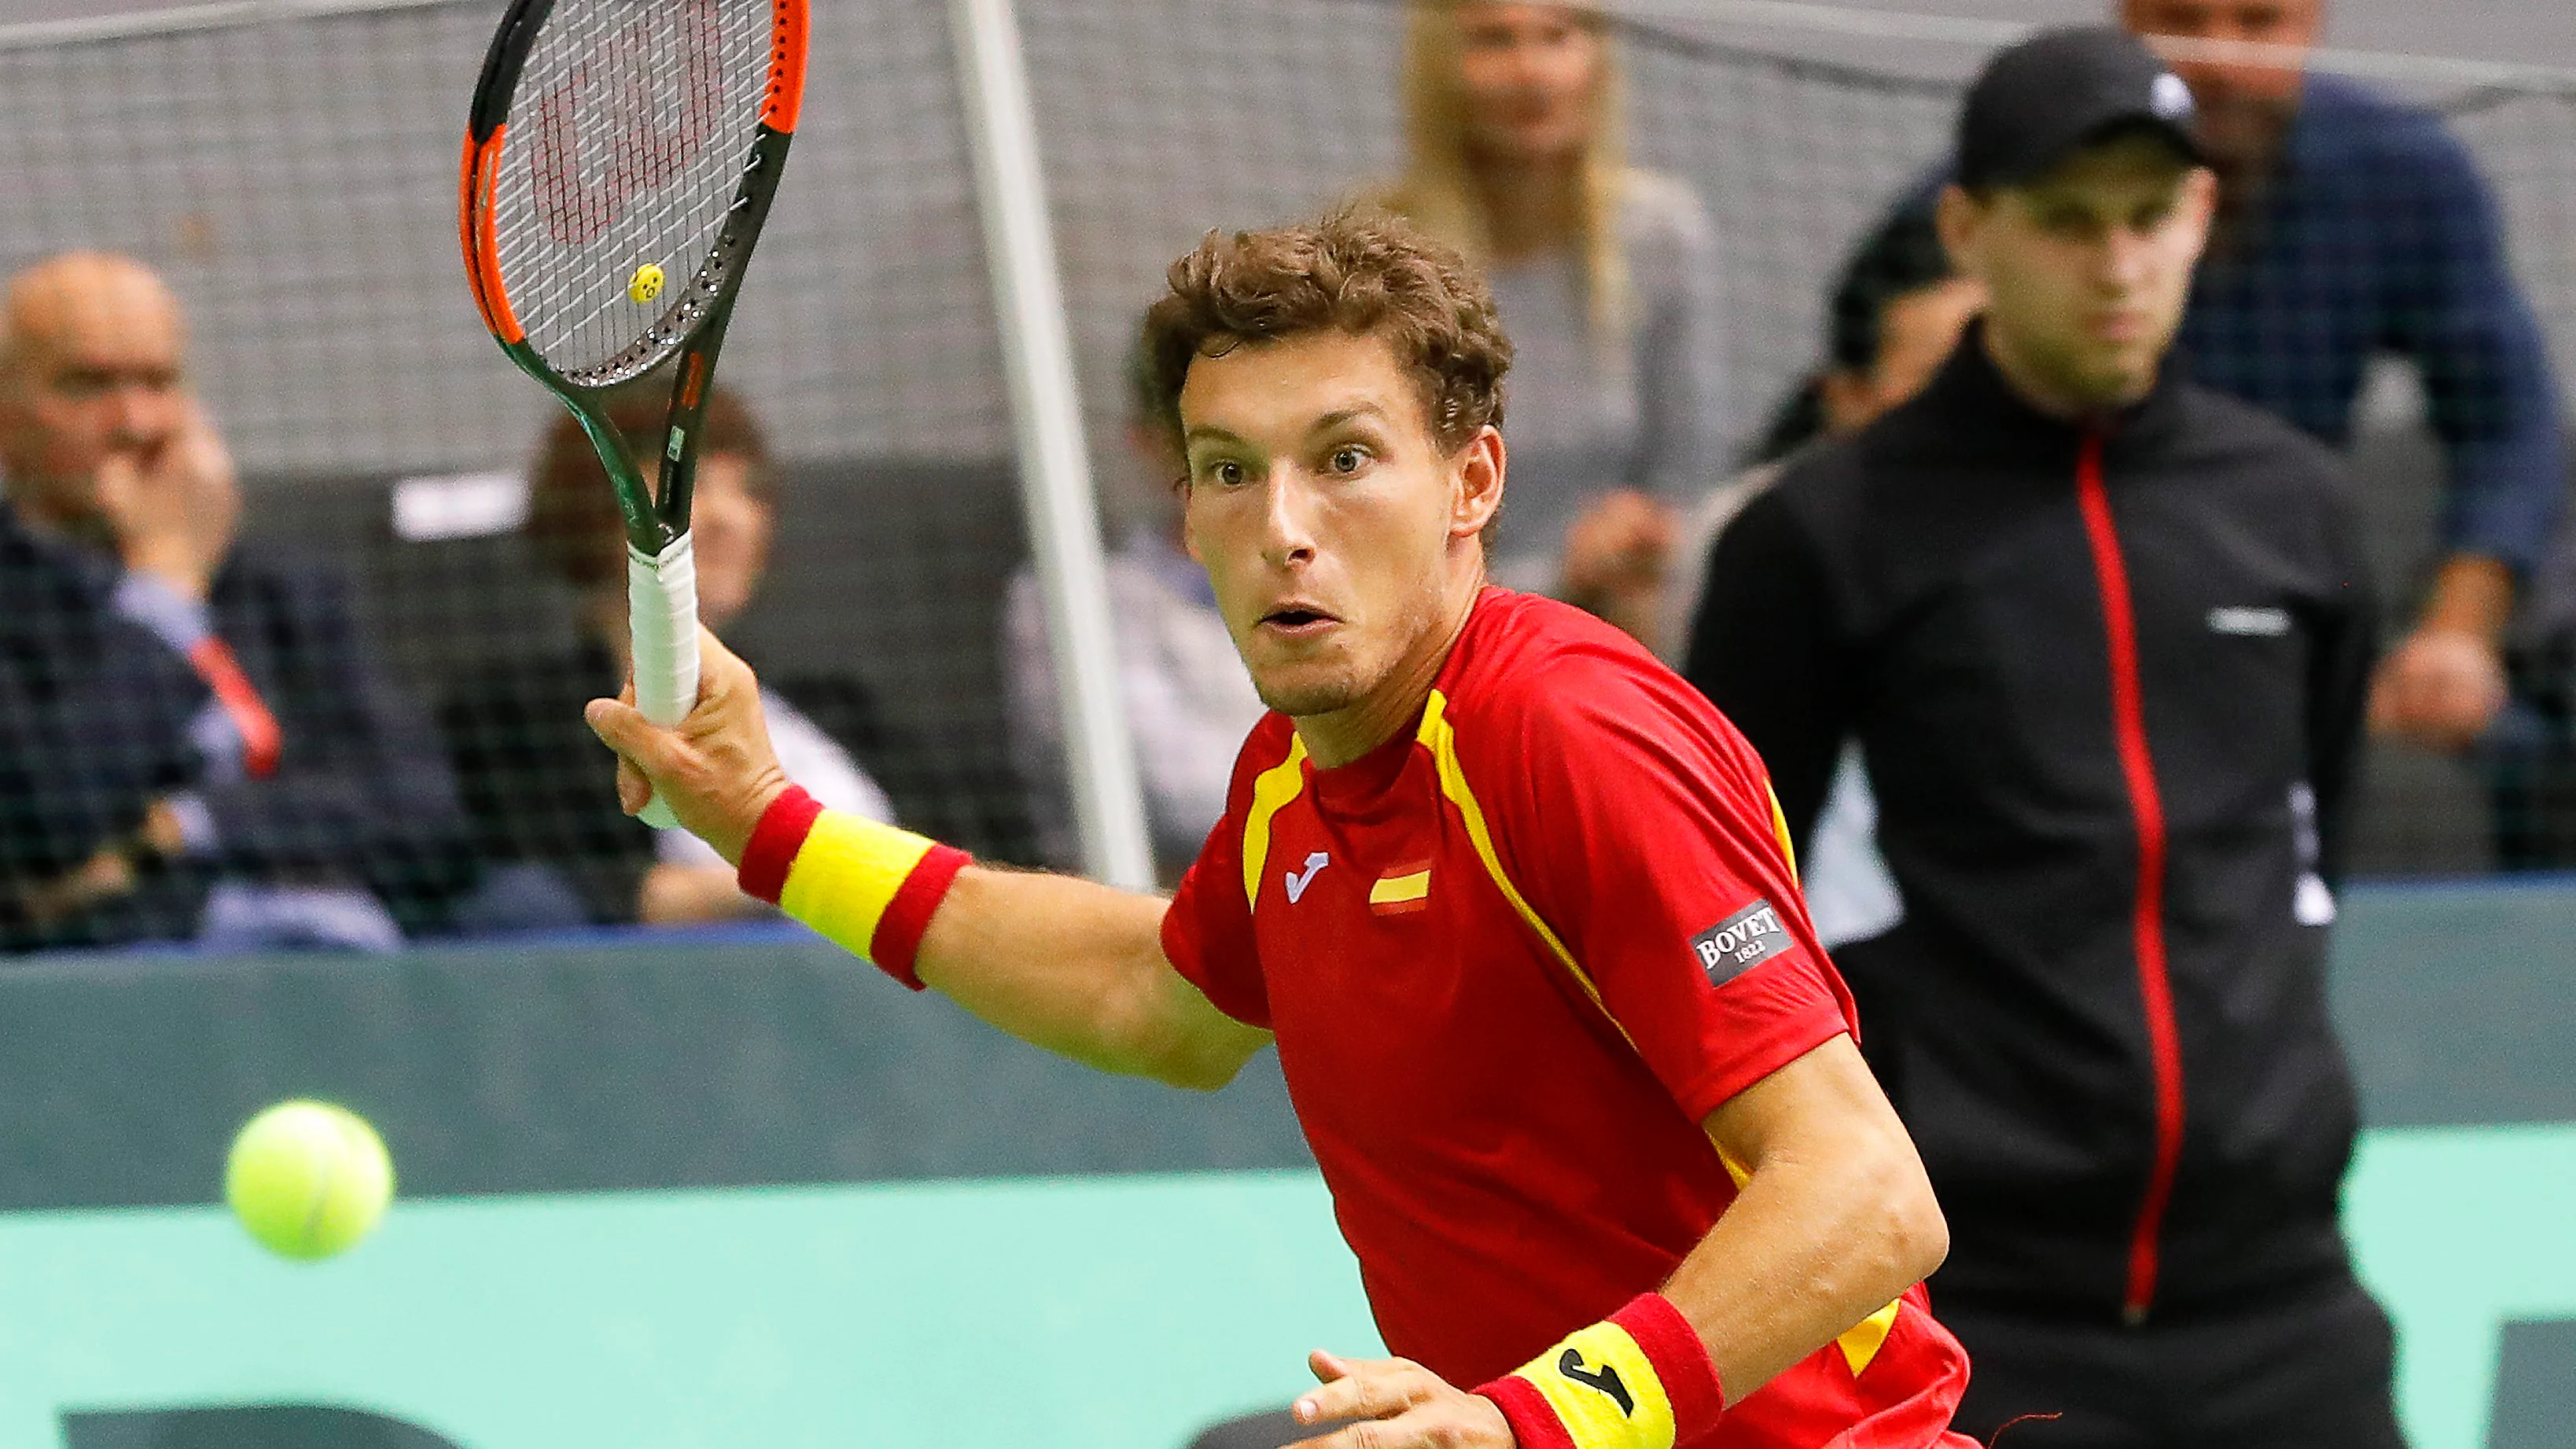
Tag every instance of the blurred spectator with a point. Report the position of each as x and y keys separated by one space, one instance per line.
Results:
x=2349 y=226
x=539 y=788
x=194 y=741
x=1604 y=275
x=2107 y=640
x=1190 y=704
x=1895 y=317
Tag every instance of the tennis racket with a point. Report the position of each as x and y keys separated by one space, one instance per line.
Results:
x=620 y=160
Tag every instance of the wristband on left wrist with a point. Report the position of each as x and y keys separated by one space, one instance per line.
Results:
x=1639 y=1379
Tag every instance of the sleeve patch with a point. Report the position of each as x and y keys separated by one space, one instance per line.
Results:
x=1741 y=942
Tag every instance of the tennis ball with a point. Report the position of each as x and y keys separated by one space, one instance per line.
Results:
x=646 y=283
x=308 y=1179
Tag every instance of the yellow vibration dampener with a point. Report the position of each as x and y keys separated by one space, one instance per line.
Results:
x=646 y=284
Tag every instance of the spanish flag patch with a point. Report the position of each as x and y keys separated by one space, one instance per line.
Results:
x=1402 y=891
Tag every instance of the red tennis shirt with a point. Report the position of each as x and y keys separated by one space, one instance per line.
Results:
x=1513 y=961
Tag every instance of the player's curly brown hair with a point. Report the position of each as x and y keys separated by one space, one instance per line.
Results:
x=1357 y=270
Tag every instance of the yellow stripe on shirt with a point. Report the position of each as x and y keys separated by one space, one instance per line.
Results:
x=1441 y=739
x=1862 y=1341
x=1780 y=828
x=1271 y=792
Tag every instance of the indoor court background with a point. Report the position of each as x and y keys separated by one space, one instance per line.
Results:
x=728 y=1187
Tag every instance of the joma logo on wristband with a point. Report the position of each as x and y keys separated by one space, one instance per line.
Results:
x=1640 y=1379
x=1607 y=1380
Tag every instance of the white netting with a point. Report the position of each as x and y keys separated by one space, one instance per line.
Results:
x=294 y=178
x=296 y=181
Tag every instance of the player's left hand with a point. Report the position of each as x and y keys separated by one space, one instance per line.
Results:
x=2440 y=689
x=717 y=769
x=1400 y=1405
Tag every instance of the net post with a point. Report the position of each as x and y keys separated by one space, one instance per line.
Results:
x=1054 y=466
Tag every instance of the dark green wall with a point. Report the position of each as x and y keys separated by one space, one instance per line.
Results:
x=2458 y=1002
x=779 y=1060
x=566 y=1069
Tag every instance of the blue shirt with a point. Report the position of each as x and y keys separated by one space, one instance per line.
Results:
x=2375 y=235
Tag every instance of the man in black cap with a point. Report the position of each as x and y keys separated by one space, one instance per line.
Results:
x=2105 y=639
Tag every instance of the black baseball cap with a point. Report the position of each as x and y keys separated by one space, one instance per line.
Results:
x=2060 y=91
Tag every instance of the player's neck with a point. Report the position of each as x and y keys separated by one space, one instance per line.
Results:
x=1395 y=705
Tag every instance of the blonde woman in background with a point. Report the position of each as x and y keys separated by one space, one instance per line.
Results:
x=1605 y=275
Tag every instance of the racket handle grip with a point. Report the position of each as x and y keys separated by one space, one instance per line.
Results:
x=662 y=618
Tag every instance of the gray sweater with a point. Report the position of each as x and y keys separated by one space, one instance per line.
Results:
x=1584 y=418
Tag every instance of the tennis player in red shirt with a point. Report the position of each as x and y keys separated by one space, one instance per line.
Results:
x=1511 y=898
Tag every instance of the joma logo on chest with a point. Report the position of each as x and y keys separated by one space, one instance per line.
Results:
x=1297 y=881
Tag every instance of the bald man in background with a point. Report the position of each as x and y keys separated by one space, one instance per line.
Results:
x=194 y=742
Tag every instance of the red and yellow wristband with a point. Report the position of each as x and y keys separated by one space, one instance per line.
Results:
x=1639 y=1379
x=869 y=888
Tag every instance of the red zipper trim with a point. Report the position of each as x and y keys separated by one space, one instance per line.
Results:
x=2146 y=806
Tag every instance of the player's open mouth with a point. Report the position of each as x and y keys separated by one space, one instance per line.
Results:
x=1298 y=619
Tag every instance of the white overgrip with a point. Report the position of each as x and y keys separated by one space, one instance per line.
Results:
x=662 y=619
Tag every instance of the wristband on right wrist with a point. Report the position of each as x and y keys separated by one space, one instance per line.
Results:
x=1639 y=1379
x=869 y=888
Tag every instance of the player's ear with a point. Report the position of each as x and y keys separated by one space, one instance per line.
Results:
x=1477 y=483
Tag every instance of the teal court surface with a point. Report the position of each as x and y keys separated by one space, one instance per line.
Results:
x=1100 y=1313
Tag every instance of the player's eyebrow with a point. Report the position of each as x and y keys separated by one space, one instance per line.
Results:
x=1339 y=416
x=1208 y=433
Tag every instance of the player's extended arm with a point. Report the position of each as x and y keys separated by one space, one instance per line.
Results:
x=1078 y=968
x=1835 y=1220
x=1072 y=966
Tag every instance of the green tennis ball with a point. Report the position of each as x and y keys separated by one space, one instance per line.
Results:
x=308 y=1179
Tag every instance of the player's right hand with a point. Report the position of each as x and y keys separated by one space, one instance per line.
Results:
x=716 y=769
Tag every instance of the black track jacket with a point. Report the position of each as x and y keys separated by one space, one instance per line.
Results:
x=2098 y=675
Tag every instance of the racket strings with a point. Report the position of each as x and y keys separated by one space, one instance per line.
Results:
x=630 y=131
